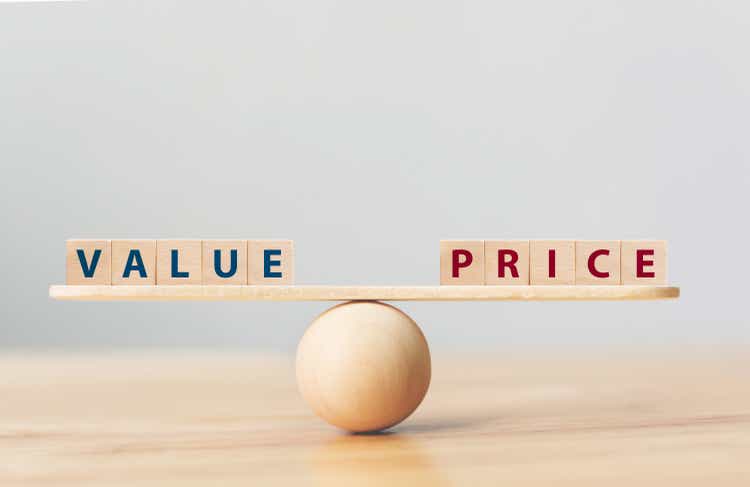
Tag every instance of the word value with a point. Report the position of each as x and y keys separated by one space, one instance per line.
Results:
x=171 y=262
x=551 y=262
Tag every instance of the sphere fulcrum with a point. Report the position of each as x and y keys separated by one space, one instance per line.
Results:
x=363 y=366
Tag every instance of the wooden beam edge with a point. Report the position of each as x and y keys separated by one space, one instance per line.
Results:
x=362 y=293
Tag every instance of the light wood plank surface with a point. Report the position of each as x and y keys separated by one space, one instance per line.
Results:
x=614 y=418
x=347 y=293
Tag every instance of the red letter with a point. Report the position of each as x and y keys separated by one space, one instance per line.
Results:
x=502 y=263
x=592 y=263
x=468 y=259
x=552 y=263
x=640 y=263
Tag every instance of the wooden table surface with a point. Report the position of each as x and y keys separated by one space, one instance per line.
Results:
x=626 y=417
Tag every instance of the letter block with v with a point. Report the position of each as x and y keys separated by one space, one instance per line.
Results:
x=88 y=262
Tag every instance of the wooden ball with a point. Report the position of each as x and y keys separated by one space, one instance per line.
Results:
x=363 y=366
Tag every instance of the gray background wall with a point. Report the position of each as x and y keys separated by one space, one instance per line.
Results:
x=367 y=131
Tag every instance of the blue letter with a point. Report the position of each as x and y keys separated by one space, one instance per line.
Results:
x=175 y=272
x=134 y=255
x=88 y=270
x=232 y=263
x=267 y=262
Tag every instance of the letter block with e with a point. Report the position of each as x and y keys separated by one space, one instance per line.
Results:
x=462 y=262
x=644 y=262
x=270 y=262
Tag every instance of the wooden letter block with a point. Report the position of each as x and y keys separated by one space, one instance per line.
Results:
x=225 y=262
x=507 y=262
x=552 y=262
x=644 y=262
x=270 y=262
x=133 y=262
x=88 y=262
x=178 y=262
x=598 y=262
x=462 y=262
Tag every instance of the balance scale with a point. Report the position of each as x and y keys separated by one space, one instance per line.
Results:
x=362 y=365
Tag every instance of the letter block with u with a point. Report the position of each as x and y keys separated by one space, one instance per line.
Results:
x=225 y=262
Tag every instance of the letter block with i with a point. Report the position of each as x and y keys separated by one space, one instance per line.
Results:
x=462 y=262
x=552 y=262
x=178 y=262
x=225 y=262
x=88 y=262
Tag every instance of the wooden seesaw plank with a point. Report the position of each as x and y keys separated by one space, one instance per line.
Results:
x=354 y=293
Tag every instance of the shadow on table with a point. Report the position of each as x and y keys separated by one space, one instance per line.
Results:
x=387 y=458
x=443 y=425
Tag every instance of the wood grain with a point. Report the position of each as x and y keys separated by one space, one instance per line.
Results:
x=626 y=418
x=364 y=293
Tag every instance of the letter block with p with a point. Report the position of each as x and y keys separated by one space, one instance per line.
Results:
x=462 y=262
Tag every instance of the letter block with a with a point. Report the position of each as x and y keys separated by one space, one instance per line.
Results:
x=133 y=262
x=462 y=262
